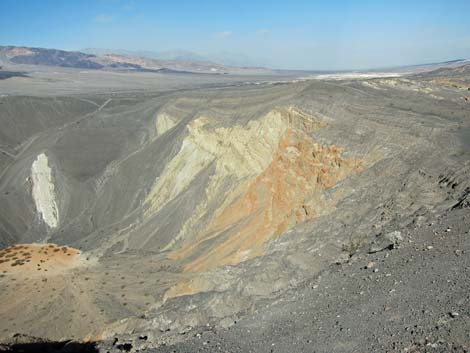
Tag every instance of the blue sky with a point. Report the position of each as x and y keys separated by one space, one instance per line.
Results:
x=335 y=34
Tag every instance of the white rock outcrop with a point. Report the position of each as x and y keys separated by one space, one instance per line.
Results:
x=44 y=195
x=164 y=123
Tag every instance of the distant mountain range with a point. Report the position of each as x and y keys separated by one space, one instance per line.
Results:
x=176 y=61
x=178 y=55
x=224 y=58
x=172 y=61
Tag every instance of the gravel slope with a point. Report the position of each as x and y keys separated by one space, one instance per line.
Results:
x=414 y=298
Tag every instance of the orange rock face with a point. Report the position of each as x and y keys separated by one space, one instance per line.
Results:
x=282 y=196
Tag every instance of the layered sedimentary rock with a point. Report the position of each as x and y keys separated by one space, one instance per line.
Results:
x=267 y=178
x=283 y=195
x=164 y=122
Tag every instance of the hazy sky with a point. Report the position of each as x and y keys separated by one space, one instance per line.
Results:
x=311 y=34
